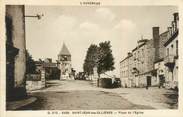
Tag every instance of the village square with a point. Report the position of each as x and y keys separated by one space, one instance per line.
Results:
x=143 y=77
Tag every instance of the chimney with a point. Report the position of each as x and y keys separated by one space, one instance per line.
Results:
x=176 y=16
x=156 y=41
x=156 y=35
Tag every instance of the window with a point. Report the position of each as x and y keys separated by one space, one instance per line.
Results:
x=134 y=56
x=142 y=52
x=177 y=47
x=167 y=51
x=172 y=45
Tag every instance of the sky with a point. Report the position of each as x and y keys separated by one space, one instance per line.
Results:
x=80 y=26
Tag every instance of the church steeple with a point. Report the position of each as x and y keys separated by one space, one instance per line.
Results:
x=64 y=50
x=64 y=54
x=64 y=58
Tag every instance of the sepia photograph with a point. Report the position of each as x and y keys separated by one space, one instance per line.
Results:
x=91 y=58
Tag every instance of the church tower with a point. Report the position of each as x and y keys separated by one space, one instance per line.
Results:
x=64 y=58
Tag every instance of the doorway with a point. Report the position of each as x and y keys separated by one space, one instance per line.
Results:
x=161 y=80
x=148 y=80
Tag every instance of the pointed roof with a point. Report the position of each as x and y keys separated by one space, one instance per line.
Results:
x=64 y=50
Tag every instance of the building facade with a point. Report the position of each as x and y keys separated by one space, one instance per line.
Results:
x=125 y=71
x=136 y=69
x=64 y=60
x=15 y=52
x=159 y=66
x=51 y=69
x=171 y=58
x=141 y=67
x=160 y=72
x=155 y=61
x=143 y=58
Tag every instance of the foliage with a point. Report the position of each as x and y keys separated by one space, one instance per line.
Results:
x=30 y=64
x=100 y=56
x=90 y=59
x=106 y=59
x=52 y=73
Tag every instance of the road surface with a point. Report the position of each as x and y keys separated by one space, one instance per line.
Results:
x=78 y=95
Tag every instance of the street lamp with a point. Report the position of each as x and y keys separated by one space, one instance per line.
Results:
x=38 y=16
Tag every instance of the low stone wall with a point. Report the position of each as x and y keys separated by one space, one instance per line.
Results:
x=35 y=82
x=34 y=85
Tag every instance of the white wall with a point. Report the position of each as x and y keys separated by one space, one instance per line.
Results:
x=16 y=12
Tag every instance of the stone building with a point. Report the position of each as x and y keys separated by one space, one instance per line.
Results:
x=125 y=71
x=159 y=62
x=64 y=60
x=51 y=69
x=160 y=71
x=15 y=52
x=171 y=58
x=143 y=58
x=155 y=61
x=136 y=68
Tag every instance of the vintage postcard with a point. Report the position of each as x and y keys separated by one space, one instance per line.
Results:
x=91 y=58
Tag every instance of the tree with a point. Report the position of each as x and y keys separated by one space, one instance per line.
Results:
x=106 y=59
x=30 y=64
x=90 y=59
x=99 y=56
